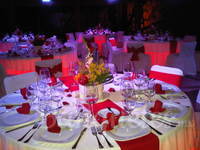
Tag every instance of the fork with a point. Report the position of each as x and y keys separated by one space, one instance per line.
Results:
x=34 y=127
x=94 y=132
x=100 y=131
x=32 y=134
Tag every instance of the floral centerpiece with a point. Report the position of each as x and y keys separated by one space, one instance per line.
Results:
x=92 y=75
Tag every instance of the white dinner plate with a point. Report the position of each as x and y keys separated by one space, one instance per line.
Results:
x=13 y=118
x=69 y=132
x=173 y=110
x=103 y=112
x=129 y=128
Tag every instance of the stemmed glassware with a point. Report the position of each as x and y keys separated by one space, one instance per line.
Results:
x=150 y=90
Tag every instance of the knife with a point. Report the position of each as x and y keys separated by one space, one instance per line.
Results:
x=19 y=127
x=76 y=143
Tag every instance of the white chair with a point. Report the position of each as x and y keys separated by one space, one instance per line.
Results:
x=107 y=52
x=82 y=51
x=119 y=59
x=2 y=76
x=198 y=97
x=70 y=37
x=14 y=83
x=54 y=66
x=79 y=37
x=185 y=60
x=167 y=74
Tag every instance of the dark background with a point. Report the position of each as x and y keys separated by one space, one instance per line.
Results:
x=179 y=17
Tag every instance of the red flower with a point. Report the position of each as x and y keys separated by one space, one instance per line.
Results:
x=83 y=79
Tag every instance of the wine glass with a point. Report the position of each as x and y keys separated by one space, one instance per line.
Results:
x=127 y=69
x=44 y=75
x=126 y=88
x=150 y=90
x=91 y=98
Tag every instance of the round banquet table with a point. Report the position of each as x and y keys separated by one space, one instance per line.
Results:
x=157 y=50
x=183 y=137
x=20 y=65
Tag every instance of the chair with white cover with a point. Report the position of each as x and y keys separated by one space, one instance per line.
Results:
x=167 y=74
x=198 y=97
x=79 y=37
x=2 y=76
x=185 y=60
x=119 y=59
x=70 y=37
x=54 y=66
x=107 y=52
x=82 y=51
x=14 y=83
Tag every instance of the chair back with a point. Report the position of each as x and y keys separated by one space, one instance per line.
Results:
x=167 y=74
x=2 y=76
x=14 y=83
x=119 y=59
x=54 y=66
x=70 y=37
x=79 y=37
x=187 y=48
x=107 y=52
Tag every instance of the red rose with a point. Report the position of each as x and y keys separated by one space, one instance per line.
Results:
x=83 y=80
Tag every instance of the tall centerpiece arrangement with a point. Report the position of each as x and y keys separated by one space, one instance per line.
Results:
x=91 y=77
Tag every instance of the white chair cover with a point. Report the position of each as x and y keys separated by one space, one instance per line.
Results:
x=14 y=83
x=51 y=63
x=79 y=37
x=119 y=59
x=82 y=51
x=2 y=76
x=198 y=97
x=71 y=37
x=107 y=52
x=167 y=74
x=185 y=60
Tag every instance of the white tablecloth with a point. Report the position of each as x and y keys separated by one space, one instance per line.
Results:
x=183 y=137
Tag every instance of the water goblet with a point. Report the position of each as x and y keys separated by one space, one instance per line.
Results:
x=44 y=75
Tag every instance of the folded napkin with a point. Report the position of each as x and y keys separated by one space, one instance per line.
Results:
x=113 y=120
x=24 y=109
x=52 y=124
x=111 y=90
x=70 y=82
x=23 y=92
x=158 y=89
x=157 y=107
x=104 y=105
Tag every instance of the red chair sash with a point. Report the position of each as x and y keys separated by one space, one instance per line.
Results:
x=166 y=77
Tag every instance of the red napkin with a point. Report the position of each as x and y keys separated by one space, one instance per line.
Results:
x=24 y=109
x=111 y=90
x=9 y=106
x=113 y=120
x=157 y=107
x=158 y=89
x=65 y=103
x=70 y=82
x=23 y=92
x=107 y=103
x=69 y=95
x=52 y=124
x=53 y=81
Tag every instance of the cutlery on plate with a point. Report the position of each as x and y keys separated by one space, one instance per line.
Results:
x=94 y=132
x=100 y=131
x=36 y=124
x=158 y=118
x=150 y=118
x=19 y=127
x=78 y=114
x=77 y=141
x=26 y=141
x=158 y=132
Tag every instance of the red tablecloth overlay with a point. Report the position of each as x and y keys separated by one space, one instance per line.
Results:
x=148 y=142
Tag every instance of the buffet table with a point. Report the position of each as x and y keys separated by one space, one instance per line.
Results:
x=18 y=65
x=182 y=137
x=157 y=50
